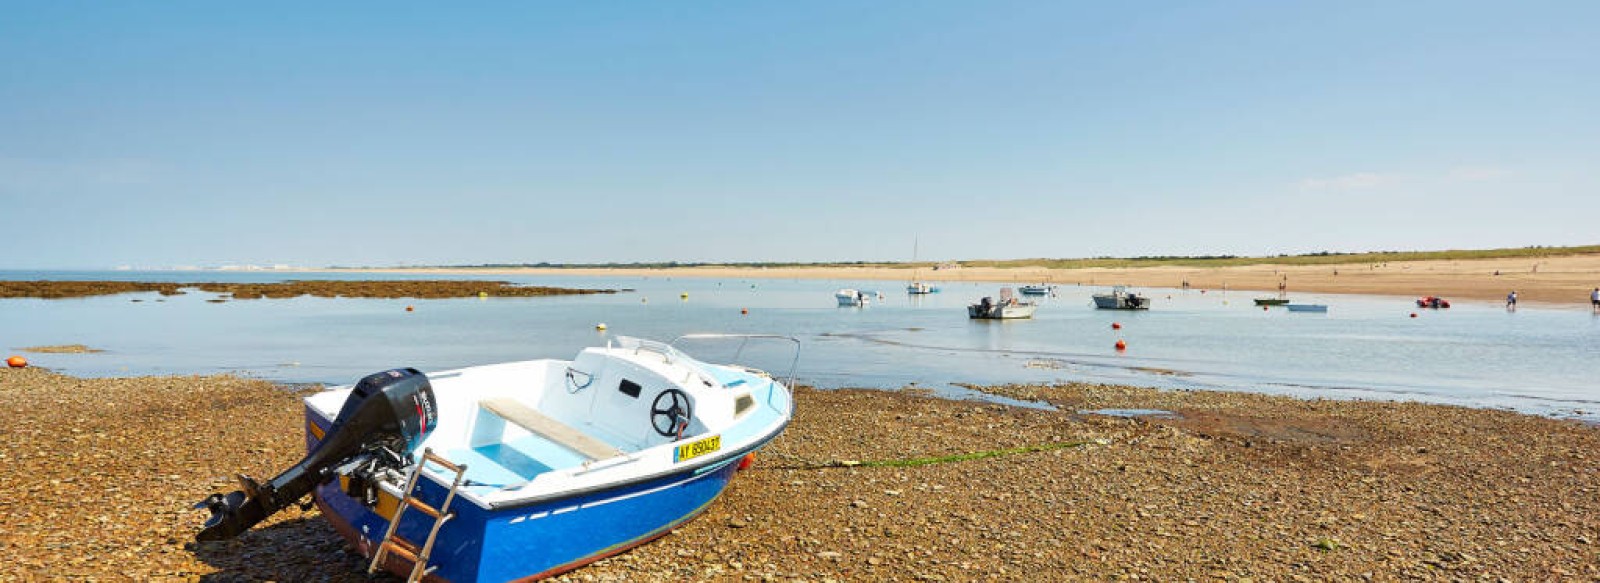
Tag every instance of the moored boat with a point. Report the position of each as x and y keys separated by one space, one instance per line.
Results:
x=1306 y=307
x=917 y=287
x=1121 y=299
x=1036 y=290
x=1432 y=302
x=524 y=469
x=1271 y=301
x=851 y=298
x=1008 y=308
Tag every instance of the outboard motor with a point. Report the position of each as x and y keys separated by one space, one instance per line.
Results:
x=386 y=415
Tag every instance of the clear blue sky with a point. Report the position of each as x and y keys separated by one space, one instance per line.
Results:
x=204 y=133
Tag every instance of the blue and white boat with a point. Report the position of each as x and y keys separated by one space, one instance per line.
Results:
x=1306 y=307
x=852 y=298
x=525 y=469
x=1037 y=290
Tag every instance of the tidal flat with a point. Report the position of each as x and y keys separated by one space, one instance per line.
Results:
x=97 y=477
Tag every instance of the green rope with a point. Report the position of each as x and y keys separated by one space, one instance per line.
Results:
x=928 y=461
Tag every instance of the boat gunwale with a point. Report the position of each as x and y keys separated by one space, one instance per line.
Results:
x=481 y=501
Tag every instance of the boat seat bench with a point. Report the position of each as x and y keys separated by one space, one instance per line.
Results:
x=549 y=428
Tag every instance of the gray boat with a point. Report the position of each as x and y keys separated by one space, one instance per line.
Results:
x=1121 y=299
x=1008 y=308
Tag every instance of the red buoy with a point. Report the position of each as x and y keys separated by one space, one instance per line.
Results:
x=1116 y=326
x=1121 y=345
x=1413 y=314
x=409 y=308
x=16 y=362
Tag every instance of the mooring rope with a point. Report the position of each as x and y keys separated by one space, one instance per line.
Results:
x=794 y=462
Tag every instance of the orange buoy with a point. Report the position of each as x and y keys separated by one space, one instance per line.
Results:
x=1122 y=345
x=1263 y=308
x=16 y=362
x=744 y=310
x=1413 y=314
x=1116 y=326
x=409 y=308
x=749 y=460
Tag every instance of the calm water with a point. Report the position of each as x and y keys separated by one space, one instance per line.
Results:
x=1539 y=360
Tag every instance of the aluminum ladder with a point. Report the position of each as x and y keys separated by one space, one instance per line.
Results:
x=393 y=542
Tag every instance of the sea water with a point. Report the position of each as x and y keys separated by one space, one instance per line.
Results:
x=1542 y=360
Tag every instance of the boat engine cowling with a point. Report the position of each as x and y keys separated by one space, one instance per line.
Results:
x=381 y=422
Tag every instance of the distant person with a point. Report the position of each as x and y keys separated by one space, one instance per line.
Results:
x=1594 y=299
x=1511 y=300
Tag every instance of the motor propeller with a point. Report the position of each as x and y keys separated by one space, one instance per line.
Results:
x=384 y=418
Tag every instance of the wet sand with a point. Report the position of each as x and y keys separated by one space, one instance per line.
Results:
x=420 y=289
x=1552 y=280
x=97 y=476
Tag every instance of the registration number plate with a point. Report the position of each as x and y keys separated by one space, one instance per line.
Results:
x=697 y=449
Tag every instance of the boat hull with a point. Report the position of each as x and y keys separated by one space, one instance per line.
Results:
x=536 y=540
x=977 y=312
x=1119 y=303
x=1270 y=302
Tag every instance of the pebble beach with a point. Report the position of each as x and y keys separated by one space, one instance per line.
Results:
x=97 y=477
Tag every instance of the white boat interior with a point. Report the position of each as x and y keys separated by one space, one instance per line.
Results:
x=539 y=429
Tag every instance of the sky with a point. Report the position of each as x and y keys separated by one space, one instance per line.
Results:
x=396 y=133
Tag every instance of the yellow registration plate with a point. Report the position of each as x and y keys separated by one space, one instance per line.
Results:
x=697 y=449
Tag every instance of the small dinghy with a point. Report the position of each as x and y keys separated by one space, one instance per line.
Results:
x=524 y=469
x=1306 y=307
x=1433 y=302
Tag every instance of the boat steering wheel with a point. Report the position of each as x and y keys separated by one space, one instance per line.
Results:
x=671 y=412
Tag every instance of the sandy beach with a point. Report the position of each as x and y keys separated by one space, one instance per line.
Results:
x=1563 y=280
x=99 y=475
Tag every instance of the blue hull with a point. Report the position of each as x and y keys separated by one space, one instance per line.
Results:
x=540 y=539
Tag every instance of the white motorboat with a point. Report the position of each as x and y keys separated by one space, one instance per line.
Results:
x=521 y=470
x=851 y=298
x=1121 y=299
x=1007 y=308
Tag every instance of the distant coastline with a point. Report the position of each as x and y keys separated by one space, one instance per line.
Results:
x=1552 y=275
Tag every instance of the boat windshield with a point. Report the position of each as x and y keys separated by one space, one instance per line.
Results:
x=667 y=351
